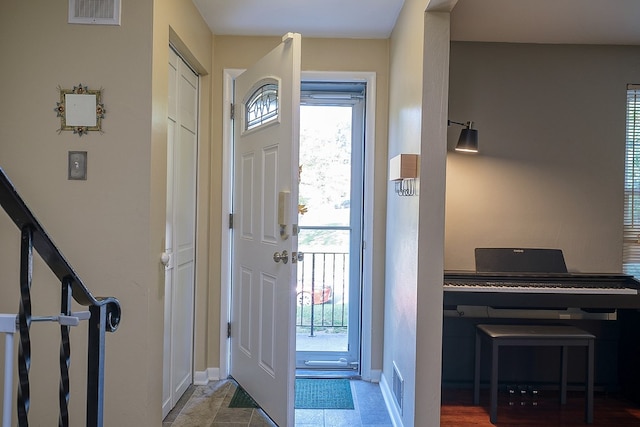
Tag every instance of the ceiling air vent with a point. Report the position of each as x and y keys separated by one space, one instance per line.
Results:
x=101 y=12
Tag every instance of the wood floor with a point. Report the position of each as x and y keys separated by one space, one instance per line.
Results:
x=458 y=410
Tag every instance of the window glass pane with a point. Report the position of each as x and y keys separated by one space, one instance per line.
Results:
x=262 y=106
x=325 y=165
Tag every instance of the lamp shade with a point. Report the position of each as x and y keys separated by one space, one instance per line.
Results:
x=468 y=141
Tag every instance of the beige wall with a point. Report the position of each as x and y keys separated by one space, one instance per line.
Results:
x=413 y=293
x=551 y=122
x=119 y=211
x=418 y=107
x=232 y=52
x=111 y=226
x=405 y=118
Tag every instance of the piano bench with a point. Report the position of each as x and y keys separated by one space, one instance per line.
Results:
x=533 y=335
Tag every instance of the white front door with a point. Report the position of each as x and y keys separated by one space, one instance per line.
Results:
x=265 y=195
x=179 y=253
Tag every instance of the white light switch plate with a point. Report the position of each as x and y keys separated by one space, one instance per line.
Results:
x=77 y=165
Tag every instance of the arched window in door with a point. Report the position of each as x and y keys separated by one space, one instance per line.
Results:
x=262 y=105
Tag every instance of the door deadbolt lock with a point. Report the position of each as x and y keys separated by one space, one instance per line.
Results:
x=296 y=257
x=284 y=257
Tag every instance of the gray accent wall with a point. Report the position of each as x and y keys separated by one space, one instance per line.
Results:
x=550 y=171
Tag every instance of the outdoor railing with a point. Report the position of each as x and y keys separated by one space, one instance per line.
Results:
x=322 y=291
x=103 y=316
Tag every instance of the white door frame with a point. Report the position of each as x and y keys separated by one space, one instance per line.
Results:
x=229 y=75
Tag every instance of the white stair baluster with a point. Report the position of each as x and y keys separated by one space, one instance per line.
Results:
x=8 y=327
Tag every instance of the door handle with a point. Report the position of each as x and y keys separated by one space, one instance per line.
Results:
x=164 y=258
x=284 y=257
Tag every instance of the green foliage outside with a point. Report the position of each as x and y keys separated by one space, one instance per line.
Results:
x=328 y=318
x=325 y=175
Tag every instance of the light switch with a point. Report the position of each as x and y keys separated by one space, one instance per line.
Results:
x=77 y=165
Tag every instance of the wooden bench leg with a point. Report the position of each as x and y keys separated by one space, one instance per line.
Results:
x=476 y=374
x=493 y=409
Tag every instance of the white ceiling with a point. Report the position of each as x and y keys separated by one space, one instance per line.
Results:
x=311 y=18
x=522 y=21
x=547 y=21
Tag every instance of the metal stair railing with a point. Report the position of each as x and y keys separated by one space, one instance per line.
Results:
x=104 y=316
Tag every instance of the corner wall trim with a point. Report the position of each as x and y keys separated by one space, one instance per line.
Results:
x=203 y=377
x=374 y=376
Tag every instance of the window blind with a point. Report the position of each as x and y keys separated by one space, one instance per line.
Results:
x=631 y=248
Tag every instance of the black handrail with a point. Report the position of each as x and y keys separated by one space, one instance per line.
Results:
x=105 y=312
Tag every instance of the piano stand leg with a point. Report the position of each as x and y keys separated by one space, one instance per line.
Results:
x=476 y=377
x=563 y=374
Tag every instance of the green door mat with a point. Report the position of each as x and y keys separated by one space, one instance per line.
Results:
x=323 y=394
x=241 y=399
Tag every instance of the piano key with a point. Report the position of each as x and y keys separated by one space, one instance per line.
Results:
x=539 y=288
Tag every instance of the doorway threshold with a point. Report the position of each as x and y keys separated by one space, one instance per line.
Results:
x=328 y=373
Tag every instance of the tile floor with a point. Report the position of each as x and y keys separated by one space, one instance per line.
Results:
x=208 y=406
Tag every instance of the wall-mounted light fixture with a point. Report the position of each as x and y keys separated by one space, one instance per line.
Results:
x=468 y=141
x=403 y=170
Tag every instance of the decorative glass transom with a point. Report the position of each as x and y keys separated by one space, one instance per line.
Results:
x=262 y=106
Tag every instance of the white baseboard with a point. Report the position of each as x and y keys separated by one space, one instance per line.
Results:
x=389 y=400
x=203 y=377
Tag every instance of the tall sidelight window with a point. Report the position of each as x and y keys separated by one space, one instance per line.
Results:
x=330 y=228
x=631 y=251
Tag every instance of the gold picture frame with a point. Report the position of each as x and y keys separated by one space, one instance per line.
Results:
x=80 y=110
